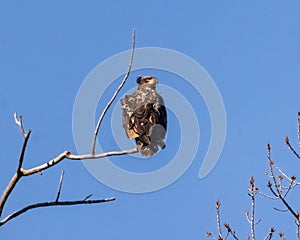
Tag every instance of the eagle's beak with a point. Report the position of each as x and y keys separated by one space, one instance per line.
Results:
x=153 y=81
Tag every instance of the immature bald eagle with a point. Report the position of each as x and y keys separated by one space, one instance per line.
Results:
x=145 y=116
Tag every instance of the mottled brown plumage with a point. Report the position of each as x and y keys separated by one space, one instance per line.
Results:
x=145 y=116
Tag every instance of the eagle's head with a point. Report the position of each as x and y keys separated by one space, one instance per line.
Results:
x=147 y=81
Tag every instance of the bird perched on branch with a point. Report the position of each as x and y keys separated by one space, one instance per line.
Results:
x=145 y=116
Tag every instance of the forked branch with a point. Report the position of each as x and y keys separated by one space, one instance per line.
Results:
x=51 y=204
x=21 y=172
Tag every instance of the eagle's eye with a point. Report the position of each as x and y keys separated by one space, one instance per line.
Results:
x=150 y=79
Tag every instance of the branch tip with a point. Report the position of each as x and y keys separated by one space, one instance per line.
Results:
x=59 y=185
x=115 y=94
x=87 y=197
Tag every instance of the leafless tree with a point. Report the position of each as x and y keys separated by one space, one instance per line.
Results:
x=279 y=185
x=65 y=155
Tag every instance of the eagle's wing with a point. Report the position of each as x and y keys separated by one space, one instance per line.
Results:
x=127 y=112
x=162 y=120
x=145 y=120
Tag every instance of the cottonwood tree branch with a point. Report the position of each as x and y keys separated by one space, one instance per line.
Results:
x=38 y=169
x=21 y=172
x=70 y=156
x=115 y=94
x=55 y=203
x=50 y=204
x=280 y=185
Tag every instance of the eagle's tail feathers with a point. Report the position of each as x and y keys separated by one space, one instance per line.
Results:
x=148 y=150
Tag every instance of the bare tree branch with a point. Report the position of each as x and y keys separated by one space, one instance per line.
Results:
x=21 y=158
x=280 y=185
x=38 y=169
x=267 y=196
x=289 y=188
x=59 y=185
x=19 y=122
x=16 y=177
x=270 y=234
x=280 y=210
x=218 y=204
x=298 y=129
x=252 y=192
x=49 y=204
x=68 y=155
x=115 y=94
x=229 y=230
x=297 y=229
x=278 y=192
x=87 y=197
x=287 y=141
x=21 y=172
x=291 y=179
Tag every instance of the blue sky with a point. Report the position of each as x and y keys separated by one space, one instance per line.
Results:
x=251 y=50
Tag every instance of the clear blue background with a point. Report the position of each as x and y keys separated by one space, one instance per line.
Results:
x=46 y=50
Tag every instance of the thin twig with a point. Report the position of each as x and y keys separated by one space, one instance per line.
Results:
x=59 y=185
x=297 y=229
x=19 y=122
x=270 y=234
x=267 y=196
x=48 y=204
x=247 y=217
x=291 y=179
x=291 y=185
x=299 y=129
x=218 y=204
x=227 y=234
x=280 y=210
x=115 y=94
x=291 y=148
x=252 y=190
x=271 y=163
x=87 y=197
x=229 y=230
